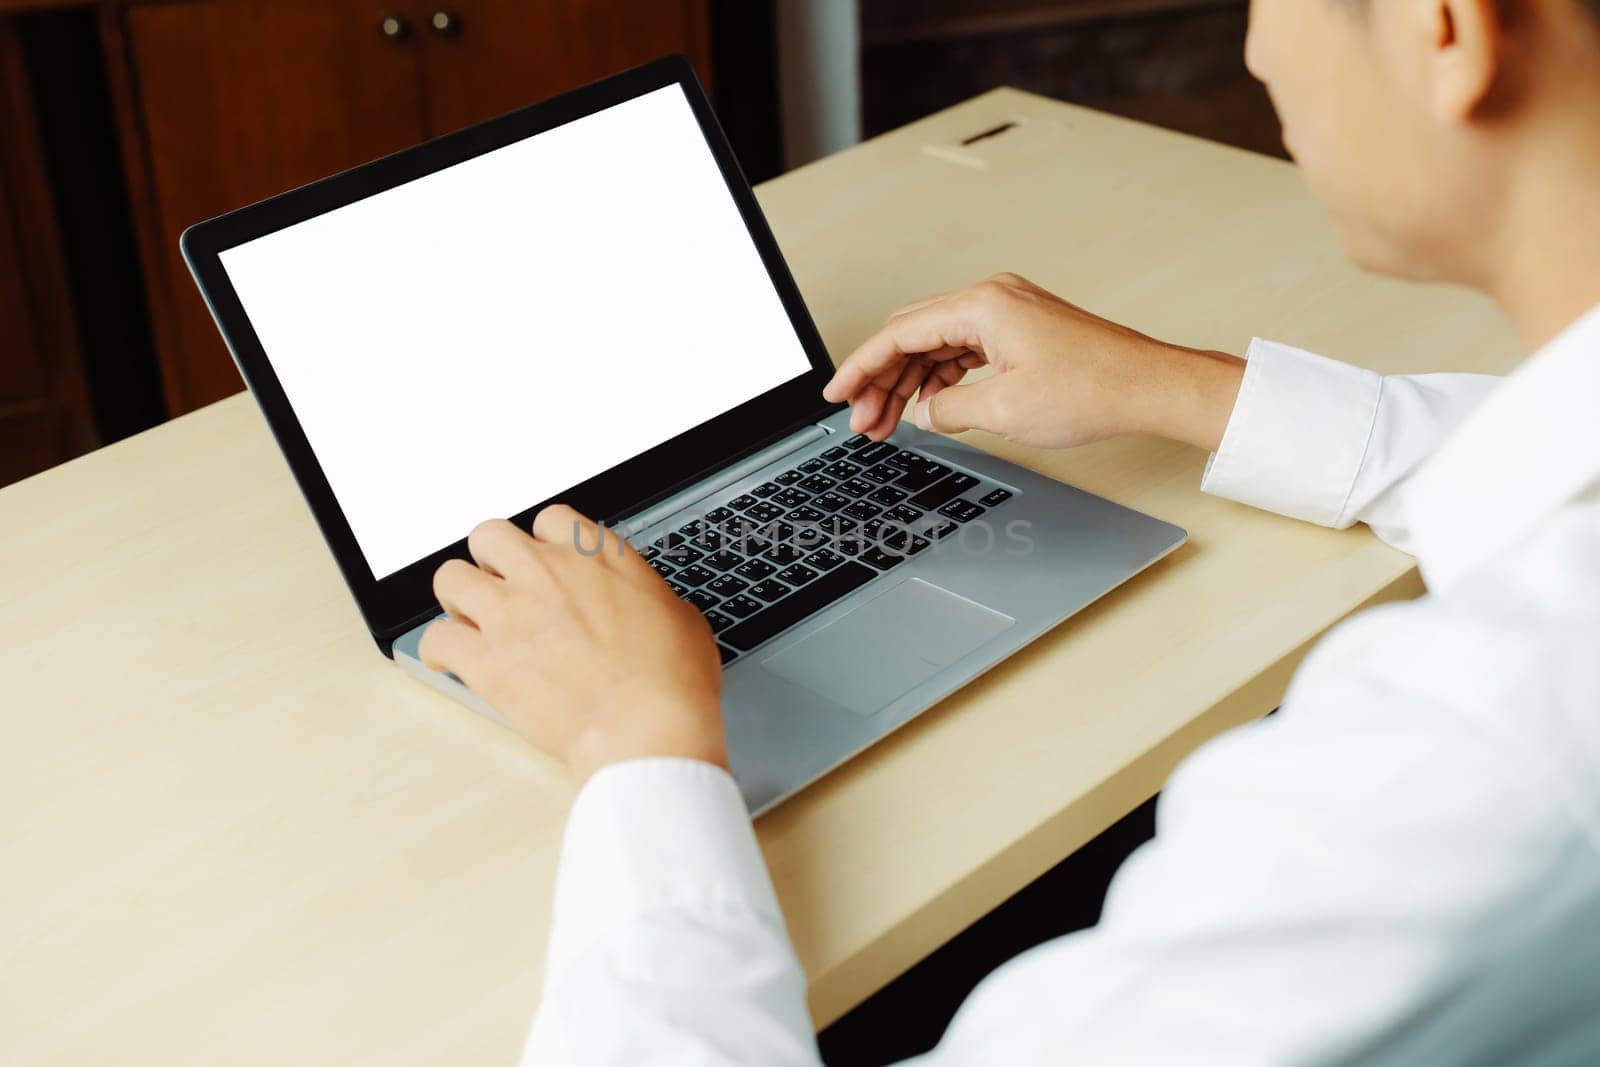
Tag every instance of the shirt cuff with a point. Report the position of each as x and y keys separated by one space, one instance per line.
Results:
x=652 y=835
x=1297 y=435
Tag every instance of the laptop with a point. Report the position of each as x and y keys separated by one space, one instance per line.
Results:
x=580 y=301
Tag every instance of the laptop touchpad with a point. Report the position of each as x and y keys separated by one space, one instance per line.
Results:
x=866 y=658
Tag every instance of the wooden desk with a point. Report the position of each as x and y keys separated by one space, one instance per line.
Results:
x=230 y=832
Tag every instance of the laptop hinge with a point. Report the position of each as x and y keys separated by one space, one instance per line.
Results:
x=722 y=479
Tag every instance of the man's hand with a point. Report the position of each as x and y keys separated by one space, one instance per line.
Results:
x=1061 y=375
x=588 y=654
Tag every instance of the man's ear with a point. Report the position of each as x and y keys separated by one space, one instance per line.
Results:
x=1468 y=48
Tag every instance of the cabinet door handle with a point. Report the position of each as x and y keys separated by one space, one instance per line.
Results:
x=445 y=23
x=393 y=28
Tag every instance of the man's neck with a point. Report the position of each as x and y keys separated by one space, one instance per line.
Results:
x=1541 y=260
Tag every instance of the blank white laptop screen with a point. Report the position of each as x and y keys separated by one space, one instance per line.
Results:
x=477 y=340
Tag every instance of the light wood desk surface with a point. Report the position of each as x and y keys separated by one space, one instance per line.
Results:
x=231 y=832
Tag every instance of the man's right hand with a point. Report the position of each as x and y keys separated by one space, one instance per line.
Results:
x=1061 y=376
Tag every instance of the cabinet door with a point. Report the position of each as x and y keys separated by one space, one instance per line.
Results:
x=44 y=406
x=239 y=100
x=496 y=55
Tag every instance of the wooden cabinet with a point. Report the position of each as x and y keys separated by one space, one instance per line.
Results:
x=44 y=407
x=229 y=101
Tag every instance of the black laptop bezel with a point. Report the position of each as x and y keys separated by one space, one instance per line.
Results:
x=395 y=603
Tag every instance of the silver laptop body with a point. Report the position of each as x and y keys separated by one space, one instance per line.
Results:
x=806 y=699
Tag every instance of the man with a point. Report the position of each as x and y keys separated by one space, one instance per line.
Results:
x=1401 y=867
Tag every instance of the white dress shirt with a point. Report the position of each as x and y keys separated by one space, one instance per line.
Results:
x=1403 y=866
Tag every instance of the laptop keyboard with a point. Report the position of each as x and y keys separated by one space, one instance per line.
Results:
x=779 y=553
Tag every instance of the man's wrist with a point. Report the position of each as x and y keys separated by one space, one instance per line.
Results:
x=696 y=734
x=1193 y=397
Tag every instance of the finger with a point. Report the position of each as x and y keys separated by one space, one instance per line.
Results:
x=866 y=406
x=565 y=527
x=450 y=645
x=956 y=408
x=499 y=547
x=942 y=377
x=948 y=323
x=910 y=381
x=466 y=592
x=889 y=377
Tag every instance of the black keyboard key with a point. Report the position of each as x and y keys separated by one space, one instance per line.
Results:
x=719 y=622
x=764 y=512
x=769 y=590
x=694 y=575
x=718 y=516
x=765 y=489
x=961 y=510
x=835 y=453
x=742 y=606
x=722 y=561
x=798 y=606
x=943 y=530
x=666 y=545
x=901 y=460
x=888 y=494
x=784 y=553
x=995 y=498
x=824 y=559
x=726 y=653
x=842 y=470
x=678 y=587
x=862 y=510
x=740 y=527
x=727 y=585
x=904 y=515
x=830 y=501
x=649 y=552
x=860 y=440
x=923 y=474
x=881 y=473
x=795 y=574
x=811 y=466
x=903 y=542
x=790 y=497
x=664 y=567
x=948 y=489
x=755 y=569
x=743 y=502
x=708 y=540
x=816 y=483
x=702 y=599
x=882 y=559
x=808 y=536
x=805 y=514
x=787 y=477
x=876 y=453
x=895 y=540
x=855 y=487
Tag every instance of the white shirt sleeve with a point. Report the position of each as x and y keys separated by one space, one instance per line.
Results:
x=666 y=944
x=1332 y=443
